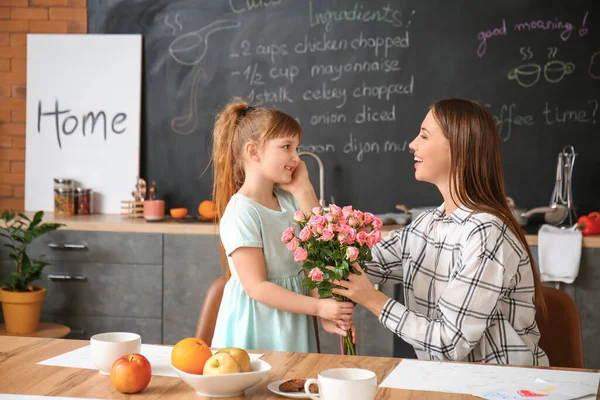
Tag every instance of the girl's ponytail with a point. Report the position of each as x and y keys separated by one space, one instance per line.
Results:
x=227 y=174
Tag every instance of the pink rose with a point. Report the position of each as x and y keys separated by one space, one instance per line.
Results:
x=329 y=217
x=352 y=253
x=305 y=234
x=373 y=238
x=352 y=221
x=326 y=235
x=300 y=255
x=377 y=235
x=316 y=210
x=376 y=224
x=288 y=234
x=316 y=275
x=369 y=218
x=317 y=220
x=293 y=244
x=299 y=216
x=347 y=211
x=347 y=235
x=335 y=210
x=333 y=227
x=361 y=237
x=316 y=229
x=342 y=221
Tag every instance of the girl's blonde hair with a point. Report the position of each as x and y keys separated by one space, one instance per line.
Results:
x=477 y=179
x=237 y=124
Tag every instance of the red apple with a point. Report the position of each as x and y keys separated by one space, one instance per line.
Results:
x=131 y=373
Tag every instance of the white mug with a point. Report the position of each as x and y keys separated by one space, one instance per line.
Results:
x=344 y=383
x=108 y=347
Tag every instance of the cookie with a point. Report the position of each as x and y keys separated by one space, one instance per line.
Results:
x=293 y=385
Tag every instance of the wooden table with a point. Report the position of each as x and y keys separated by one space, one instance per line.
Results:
x=21 y=375
x=45 y=330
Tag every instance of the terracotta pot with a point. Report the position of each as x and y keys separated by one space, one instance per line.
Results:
x=22 y=310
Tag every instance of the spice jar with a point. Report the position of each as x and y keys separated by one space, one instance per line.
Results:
x=64 y=202
x=83 y=201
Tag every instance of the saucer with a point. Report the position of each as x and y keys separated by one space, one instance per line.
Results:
x=274 y=387
x=152 y=218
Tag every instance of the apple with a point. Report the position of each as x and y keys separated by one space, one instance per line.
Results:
x=221 y=364
x=240 y=355
x=131 y=373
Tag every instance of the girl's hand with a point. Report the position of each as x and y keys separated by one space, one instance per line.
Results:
x=336 y=311
x=359 y=289
x=300 y=179
x=331 y=327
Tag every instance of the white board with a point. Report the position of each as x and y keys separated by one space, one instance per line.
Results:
x=94 y=81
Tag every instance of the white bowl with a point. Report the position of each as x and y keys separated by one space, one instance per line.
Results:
x=227 y=385
x=108 y=347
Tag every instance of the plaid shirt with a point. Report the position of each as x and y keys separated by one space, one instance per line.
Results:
x=468 y=289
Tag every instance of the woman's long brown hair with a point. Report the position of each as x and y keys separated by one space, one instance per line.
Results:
x=236 y=125
x=476 y=176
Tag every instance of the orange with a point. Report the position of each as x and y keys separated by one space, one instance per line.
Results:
x=178 y=212
x=207 y=209
x=190 y=354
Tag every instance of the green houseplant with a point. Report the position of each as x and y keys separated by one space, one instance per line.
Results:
x=22 y=302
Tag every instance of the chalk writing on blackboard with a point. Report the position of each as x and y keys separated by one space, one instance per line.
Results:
x=190 y=48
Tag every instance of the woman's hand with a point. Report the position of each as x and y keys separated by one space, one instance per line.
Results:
x=336 y=311
x=359 y=289
x=331 y=327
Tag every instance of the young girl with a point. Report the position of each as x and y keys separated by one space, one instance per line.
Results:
x=264 y=304
x=470 y=286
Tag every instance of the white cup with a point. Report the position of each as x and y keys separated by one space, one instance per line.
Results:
x=344 y=383
x=108 y=347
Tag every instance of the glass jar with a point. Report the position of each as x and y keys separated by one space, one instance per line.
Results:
x=64 y=202
x=63 y=183
x=83 y=201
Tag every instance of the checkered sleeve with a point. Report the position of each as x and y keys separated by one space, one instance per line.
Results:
x=461 y=314
x=388 y=256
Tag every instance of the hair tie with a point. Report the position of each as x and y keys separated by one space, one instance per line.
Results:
x=246 y=111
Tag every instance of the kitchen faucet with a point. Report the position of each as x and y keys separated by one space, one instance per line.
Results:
x=321 y=175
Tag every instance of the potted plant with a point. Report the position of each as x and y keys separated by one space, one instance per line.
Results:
x=22 y=302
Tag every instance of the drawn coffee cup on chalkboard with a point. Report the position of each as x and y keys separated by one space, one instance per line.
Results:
x=526 y=75
x=189 y=49
x=555 y=70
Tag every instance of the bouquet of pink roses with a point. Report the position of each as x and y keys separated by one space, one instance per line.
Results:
x=327 y=242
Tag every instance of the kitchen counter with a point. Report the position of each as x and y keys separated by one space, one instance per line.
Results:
x=117 y=223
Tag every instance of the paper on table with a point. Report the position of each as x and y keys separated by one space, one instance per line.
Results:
x=477 y=379
x=537 y=389
x=35 y=397
x=159 y=357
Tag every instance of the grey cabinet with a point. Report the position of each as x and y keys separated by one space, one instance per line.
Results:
x=101 y=281
x=191 y=264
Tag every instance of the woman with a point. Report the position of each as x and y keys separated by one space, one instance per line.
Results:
x=470 y=286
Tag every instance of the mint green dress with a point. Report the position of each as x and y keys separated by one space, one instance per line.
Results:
x=244 y=322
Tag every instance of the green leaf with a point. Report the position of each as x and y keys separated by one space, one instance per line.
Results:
x=23 y=216
x=307 y=281
x=37 y=218
x=324 y=293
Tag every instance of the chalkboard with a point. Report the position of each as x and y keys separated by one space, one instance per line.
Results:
x=360 y=76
